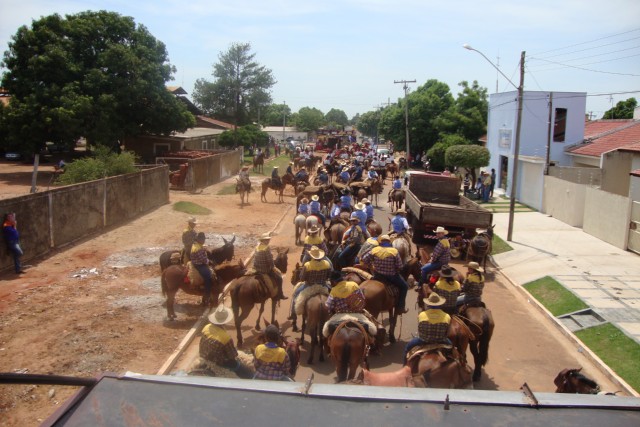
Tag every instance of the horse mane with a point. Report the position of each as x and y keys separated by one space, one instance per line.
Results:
x=583 y=379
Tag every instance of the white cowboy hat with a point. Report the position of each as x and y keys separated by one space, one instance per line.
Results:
x=192 y=220
x=314 y=229
x=475 y=266
x=434 y=300
x=221 y=316
x=441 y=230
x=365 y=201
x=455 y=252
x=384 y=237
x=315 y=198
x=275 y=167
x=265 y=236
x=316 y=253
x=401 y=211
x=359 y=206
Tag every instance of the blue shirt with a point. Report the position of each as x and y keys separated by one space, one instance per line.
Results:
x=344 y=176
x=335 y=211
x=303 y=208
x=369 y=211
x=372 y=174
x=397 y=184
x=345 y=201
x=315 y=206
x=323 y=178
x=399 y=224
x=362 y=215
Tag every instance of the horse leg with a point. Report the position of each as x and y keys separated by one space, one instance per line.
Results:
x=273 y=310
x=320 y=339
x=257 y=328
x=171 y=297
x=302 y=329
x=240 y=314
x=393 y=317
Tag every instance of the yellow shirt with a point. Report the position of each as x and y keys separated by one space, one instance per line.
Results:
x=313 y=240
x=317 y=265
x=216 y=333
x=344 y=289
x=434 y=315
x=270 y=355
x=384 y=252
x=446 y=286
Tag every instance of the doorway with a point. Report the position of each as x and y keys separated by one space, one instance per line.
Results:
x=504 y=171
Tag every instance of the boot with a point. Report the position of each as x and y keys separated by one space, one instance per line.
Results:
x=280 y=295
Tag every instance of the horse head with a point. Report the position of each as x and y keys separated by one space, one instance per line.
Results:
x=572 y=381
x=282 y=260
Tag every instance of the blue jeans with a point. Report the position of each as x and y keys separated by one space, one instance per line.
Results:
x=16 y=250
x=204 y=271
x=398 y=281
x=464 y=299
x=346 y=255
x=323 y=219
x=428 y=268
x=485 y=193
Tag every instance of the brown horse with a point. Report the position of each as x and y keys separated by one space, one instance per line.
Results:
x=314 y=317
x=217 y=255
x=374 y=228
x=258 y=163
x=479 y=249
x=174 y=278
x=377 y=300
x=243 y=187
x=349 y=348
x=397 y=199
x=268 y=184
x=333 y=234
x=572 y=381
x=480 y=320
x=392 y=170
x=246 y=292
x=437 y=371
x=376 y=189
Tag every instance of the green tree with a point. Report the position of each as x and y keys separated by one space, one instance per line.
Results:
x=309 y=119
x=368 y=123
x=103 y=163
x=468 y=115
x=622 y=110
x=93 y=74
x=241 y=86
x=275 y=114
x=245 y=136
x=437 y=153
x=470 y=157
x=336 y=119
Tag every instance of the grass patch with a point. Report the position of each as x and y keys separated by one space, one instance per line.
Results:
x=191 y=208
x=555 y=297
x=499 y=246
x=618 y=351
x=226 y=190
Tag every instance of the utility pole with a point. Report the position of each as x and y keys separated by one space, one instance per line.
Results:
x=514 y=178
x=406 y=113
x=284 y=118
x=497 y=71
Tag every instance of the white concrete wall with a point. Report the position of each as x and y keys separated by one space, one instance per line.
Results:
x=564 y=200
x=634 y=183
x=532 y=184
x=607 y=216
x=616 y=166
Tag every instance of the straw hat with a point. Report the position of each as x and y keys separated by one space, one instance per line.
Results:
x=192 y=220
x=358 y=206
x=221 y=316
x=290 y=163
x=434 y=300
x=441 y=230
x=275 y=167
x=316 y=253
x=384 y=237
x=446 y=271
x=265 y=236
x=313 y=229
x=475 y=266
x=365 y=201
x=315 y=198
x=401 y=211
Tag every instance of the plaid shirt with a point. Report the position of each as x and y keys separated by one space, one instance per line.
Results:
x=474 y=285
x=313 y=241
x=433 y=325
x=216 y=345
x=385 y=260
x=198 y=255
x=263 y=260
x=316 y=272
x=449 y=291
x=271 y=362
x=353 y=234
x=346 y=297
x=369 y=244
x=441 y=253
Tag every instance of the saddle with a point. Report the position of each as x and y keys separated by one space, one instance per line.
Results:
x=445 y=350
x=360 y=318
x=471 y=304
x=307 y=293
x=362 y=274
x=194 y=279
x=266 y=286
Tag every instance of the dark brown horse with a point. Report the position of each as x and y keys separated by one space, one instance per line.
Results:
x=314 y=316
x=480 y=247
x=217 y=255
x=376 y=189
x=268 y=184
x=397 y=199
x=175 y=278
x=437 y=371
x=246 y=292
x=572 y=381
x=258 y=163
x=348 y=347
x=480 y=321
x=379 y=300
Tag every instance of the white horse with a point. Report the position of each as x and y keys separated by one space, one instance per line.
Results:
x=312 y=221
x=404 y=248
x=300 y=222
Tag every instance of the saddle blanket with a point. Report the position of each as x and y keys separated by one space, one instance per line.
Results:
x=307 y=293
x=427 y=348
x=194 y=277
x=336 y=319
x=360 y=272
x=201 y=364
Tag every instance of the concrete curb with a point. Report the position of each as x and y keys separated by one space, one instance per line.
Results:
x=603 y=367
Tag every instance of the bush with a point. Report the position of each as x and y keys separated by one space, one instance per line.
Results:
x=104 y=163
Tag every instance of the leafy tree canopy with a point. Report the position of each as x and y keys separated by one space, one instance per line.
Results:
x=368 y=122
x=437 y=153
x=622 y=110
x=103 y=163
x=246 y=136
x=308 y=119
x=275 y=114
x=336 y=119
x=470 y=157
x=241 y=86
x=93 y=74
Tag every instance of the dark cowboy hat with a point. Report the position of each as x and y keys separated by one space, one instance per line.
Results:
x=446 y=271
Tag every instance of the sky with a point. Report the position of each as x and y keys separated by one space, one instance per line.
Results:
x=347 y=54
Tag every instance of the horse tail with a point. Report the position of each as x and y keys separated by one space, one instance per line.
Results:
x=235 y=301
x=484 y=341
x=343 y=369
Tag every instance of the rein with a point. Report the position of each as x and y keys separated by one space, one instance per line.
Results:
x=479 y=333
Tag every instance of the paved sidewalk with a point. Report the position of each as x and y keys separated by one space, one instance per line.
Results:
x=604 y=277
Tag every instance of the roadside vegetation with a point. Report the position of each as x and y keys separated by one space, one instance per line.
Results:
x=104 y=163
x=555 y=297
x=499 y=246
x=617 y=350
x=191 y=208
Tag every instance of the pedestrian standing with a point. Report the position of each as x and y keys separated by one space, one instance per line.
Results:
x=12 y=239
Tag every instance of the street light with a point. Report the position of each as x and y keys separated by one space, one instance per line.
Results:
x=514 y=176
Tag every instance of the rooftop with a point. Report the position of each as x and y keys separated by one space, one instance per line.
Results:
x=602 y=136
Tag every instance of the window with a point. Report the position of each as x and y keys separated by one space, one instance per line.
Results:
x=161 y=149
x=560 y=125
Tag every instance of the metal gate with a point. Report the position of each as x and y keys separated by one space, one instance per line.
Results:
x=634 y=228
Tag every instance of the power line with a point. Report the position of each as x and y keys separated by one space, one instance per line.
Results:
x=592 y=56
x=587 y=42
x=594 y=71
x=590 y=48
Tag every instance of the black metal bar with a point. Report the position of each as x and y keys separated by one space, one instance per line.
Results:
x=12 y=378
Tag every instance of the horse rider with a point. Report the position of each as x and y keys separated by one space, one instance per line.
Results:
x=357 y=174
x=372 y=175
x=344 y=175
x=449 y=288
x=302 y=175
x=316 y=271
x=335 y=210
x=358 y=209
x=473 y=285
x=400 y=225
x=440 y=256
x=263 y=263
x=367 y=246
x=200 y=261
x=271 y=361
x=188 y=237
x=433 y=325
x=313 y=239
x=275 y=178
x=345 y=201
x=368 y=209
x=352 y=239
x=315 y=208
x=397 y=185
x=304 y=207
x=323 y=178
x=345 y=296
x=243 y=176
x=386 y=265
x=216 y=346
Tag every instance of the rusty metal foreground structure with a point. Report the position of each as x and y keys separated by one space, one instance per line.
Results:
x=140 y=400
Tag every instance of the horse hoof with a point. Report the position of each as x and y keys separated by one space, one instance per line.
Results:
x=476 y=378
x=392 y=339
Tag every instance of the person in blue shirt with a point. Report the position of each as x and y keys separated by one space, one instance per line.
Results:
x=335 y=210
x=399 y=222
x=358 y=210
x=323 y=177
x=397 y=185
x=304 y=207
x=368 y=209
x=357 y=175
x=315 y=208
x=344 y=175
x=302 y=175
x=372 y=175
x=345 y=201
x=290 y=168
